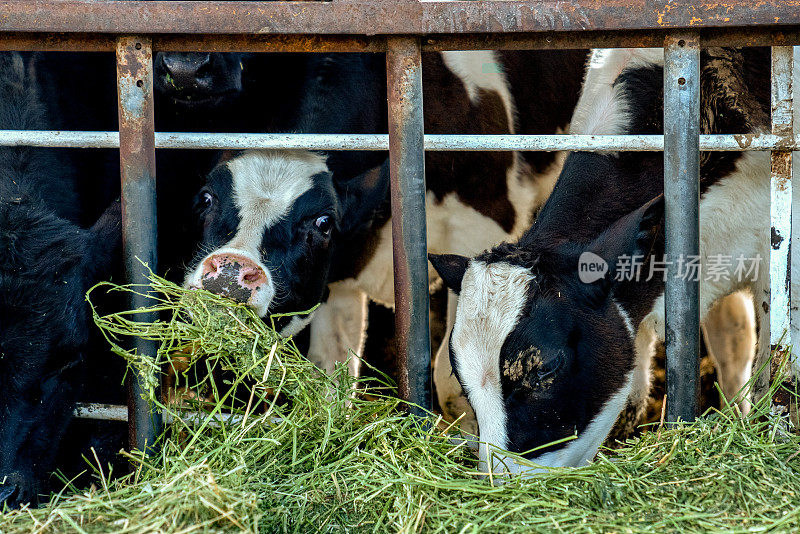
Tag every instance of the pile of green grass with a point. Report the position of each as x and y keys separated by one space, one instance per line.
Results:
x=324 y=459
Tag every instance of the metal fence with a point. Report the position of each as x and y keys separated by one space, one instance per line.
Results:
x=403 y=29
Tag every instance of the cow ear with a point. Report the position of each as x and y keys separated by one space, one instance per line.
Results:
x=451 y=267
x=106 y=235
x=363 y=200
x=632 y=235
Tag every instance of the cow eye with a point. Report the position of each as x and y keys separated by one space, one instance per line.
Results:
x=206 y=200
x=203 y=202
x=324 y=223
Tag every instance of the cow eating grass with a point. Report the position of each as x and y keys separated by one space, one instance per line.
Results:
x=545 y=356
x=314 y=460
x=285 y=231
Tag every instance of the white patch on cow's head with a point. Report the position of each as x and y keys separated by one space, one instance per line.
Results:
x=602 y=109
x=266 y=184
x=492 y=299
x=580 y=450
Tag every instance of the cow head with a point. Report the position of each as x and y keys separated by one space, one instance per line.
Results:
x=46 y=268
x=541 y=355
x=198 y=79
x=270 y=222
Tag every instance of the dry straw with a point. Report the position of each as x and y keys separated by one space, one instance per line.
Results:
x=324 y=459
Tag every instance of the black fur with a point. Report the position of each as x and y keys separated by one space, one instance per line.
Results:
x=48 y=263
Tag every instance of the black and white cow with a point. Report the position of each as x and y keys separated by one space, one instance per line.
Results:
x=48 y=263
x=47 y=199
x=543 y=356
x=282 y=234
x=232 y=93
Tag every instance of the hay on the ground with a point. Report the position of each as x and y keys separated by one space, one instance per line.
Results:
x=324 y=459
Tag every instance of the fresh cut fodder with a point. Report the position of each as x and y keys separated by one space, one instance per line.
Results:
x=261 y=440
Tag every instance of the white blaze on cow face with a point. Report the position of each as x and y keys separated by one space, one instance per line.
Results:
x=492 y=299
x=574 y=453
x=266 y=184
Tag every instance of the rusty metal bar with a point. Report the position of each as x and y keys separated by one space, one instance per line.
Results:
x=138 y=175
x=407 y=173
x=780 y=205
x=682 y=228
x=433 y=142
x=66 y=42
x=734 y=37
x=389 y=17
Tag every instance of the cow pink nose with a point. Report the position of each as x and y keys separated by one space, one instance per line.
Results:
x=232 y=275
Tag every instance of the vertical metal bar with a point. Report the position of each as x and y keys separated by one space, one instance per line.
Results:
x=407 y=171
x=794 y=318
x=780 y=206
x=681 y=198
x=138 y=174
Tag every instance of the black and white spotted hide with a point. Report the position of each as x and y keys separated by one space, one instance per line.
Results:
x=545 y=357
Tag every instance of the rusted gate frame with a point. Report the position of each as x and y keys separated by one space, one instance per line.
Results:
x=389 y=17
x=404 y=29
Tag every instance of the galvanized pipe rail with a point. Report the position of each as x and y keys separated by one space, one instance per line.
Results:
x=403 y=29
x=682 y=224
x=432 y=142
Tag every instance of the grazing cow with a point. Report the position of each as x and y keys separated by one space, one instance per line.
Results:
x=544 y=356
x=48 y=264
x=280 y=228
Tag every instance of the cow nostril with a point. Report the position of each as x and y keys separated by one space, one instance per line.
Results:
x=252 y=276
x=185 y=70
x=212 y=266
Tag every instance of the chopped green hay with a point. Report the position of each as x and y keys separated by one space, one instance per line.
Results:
x=335 y=462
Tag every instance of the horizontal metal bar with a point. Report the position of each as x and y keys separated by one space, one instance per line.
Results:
x=118 y=412
x=71 y=42
x=98 y=42
x=434 y=142
x=710 y=37
x=101 y=412
x=371 y=17
x=64 y=42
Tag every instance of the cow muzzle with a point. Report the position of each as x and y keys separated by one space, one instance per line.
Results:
x=237 y=276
